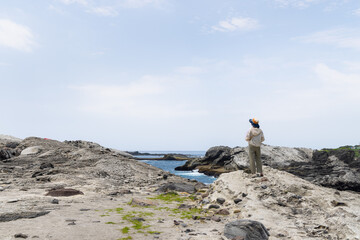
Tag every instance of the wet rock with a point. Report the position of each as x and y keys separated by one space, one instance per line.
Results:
x=248 y=229
x=64 y=192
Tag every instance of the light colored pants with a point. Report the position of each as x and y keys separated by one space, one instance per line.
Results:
x=254 y=156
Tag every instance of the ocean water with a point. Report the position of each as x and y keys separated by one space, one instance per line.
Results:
x=170 y=166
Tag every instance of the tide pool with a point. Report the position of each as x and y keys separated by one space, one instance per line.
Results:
x=170 y=166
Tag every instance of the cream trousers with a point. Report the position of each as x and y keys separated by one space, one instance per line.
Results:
x=254 y=156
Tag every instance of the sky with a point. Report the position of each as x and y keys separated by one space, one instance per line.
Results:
x=181 y=75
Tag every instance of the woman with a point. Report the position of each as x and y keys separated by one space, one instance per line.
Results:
x=255 y=137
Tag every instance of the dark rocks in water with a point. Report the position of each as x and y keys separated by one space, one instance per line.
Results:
x=214 y=158
x=218 y=155
x=248 y=229
x=334 y=168
x=64 y=192
x=7 y=217
x=180 y=187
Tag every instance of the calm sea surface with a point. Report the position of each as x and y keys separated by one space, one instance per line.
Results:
x=171 y=165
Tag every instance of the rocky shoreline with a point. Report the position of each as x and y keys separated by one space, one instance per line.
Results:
x=81 y=190
x=339 y=169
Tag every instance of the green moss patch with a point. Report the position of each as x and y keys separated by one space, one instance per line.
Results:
x=170 y=197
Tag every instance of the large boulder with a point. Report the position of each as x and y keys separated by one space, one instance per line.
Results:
x=247 y=229
x=336 y=169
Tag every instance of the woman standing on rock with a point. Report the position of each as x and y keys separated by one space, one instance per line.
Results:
x=255 y=137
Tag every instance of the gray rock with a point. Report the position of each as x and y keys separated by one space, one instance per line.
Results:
x=216 y=218
x=223 y=212
x=20 y=235
x=214 y=206
x=220 y=200
x=179 y=187
x=250 y=230
x=46 y=165
x=237 y=200
x=64 y=192
x=31 y=150
x=7 y=217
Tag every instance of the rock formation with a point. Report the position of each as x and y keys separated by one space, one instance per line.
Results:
x=288 y=206
x=338 y=169
x=81 y=190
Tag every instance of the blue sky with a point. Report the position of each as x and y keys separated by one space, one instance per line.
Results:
x=181 y=75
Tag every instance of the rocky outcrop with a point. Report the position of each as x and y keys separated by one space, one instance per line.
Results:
x=246 y=229
x=289 y=207
x=338 y=169
x=215 y=162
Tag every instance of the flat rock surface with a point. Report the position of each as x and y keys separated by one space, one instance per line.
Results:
x=289 y=206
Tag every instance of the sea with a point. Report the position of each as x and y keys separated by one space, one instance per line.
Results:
x=169 y=165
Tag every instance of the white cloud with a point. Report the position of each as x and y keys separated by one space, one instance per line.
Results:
x=236 y=24
x=104 y=11
x=341 y=37
x=189 y=70
x=141 y=3
x=17 y=36
x=113 y=6
x=150 y=97
x=344 y=85
x=357 y=12
x=68 y=2
x=296 y=3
